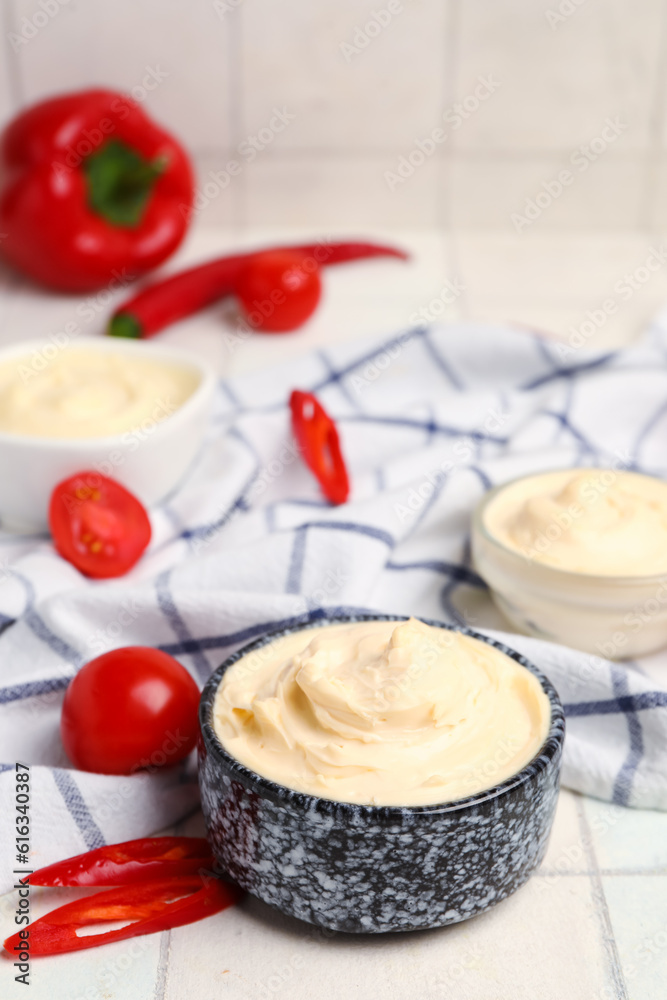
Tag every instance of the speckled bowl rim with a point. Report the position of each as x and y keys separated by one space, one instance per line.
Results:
x=303 y=802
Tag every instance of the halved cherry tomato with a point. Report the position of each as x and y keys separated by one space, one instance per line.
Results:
x=279 y=290
x=98 y=525
x=129 y=709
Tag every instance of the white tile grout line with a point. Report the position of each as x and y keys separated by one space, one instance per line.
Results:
x=236 y=111
x=450 y=56
x=161 y=980
x=607 y=872
x=601 y=906
x=163 y=966
x=652 y=156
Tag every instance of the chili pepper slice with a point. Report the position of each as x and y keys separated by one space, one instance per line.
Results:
x=165 y=302
x=133 y=861
x=317 y=438
x=152 y=906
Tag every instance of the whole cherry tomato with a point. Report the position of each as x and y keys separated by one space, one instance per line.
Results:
x=131 y=708
x=279 y=290
x=98 y=525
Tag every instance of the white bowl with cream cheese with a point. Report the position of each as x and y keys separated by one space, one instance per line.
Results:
x=579 y=556
x=131 y=410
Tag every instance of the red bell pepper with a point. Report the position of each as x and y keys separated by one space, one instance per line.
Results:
x=96 y=193
x=152 y=906
x=174 y=298
x=317 y=438
x=130 y=862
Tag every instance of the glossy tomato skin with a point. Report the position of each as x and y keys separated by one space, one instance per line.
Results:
x=279 y=290
x=98 y=525
x=129 y=709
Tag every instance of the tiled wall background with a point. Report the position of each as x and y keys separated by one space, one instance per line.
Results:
x=365 y=81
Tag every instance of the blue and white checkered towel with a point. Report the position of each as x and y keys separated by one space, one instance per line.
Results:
x=429 y=421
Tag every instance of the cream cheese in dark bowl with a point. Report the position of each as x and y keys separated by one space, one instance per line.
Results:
x=379 y=773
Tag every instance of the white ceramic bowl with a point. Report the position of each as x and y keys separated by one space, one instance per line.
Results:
x=149 y=460
x=617 y=617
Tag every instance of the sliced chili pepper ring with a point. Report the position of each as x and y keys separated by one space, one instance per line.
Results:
x=318 y=441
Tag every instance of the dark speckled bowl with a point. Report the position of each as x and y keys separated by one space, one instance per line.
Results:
x=376 y=868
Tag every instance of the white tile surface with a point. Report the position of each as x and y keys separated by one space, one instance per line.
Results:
x=514 y=952
x=119 y=44
x=638 y=910
x=627 y=839
x=230 y=64
x=559 y=83
x=380 y=93
x=567 y=851
x=484 y=192
x=127 y=969
x=341 y=189
x=562 y=935
x=7 y=64
x=581 y=266
x=657 y=215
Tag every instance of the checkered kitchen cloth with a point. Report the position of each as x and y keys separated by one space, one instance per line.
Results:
x=248 y=545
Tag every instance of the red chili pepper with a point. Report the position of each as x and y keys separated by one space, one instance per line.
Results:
x=133 y=861
x=165 y=302
x=317 y=438
x=97 y=194
x=153 y=906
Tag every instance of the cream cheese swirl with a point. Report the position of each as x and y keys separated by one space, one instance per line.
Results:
x=381 y=713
